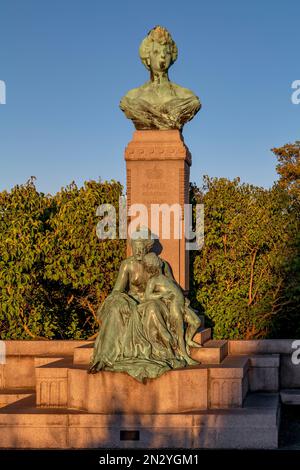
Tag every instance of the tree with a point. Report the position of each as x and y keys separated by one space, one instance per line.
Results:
x=54 y=272
x=23 y=299
x=288 y=167
x=240 y=276
x=79 y=268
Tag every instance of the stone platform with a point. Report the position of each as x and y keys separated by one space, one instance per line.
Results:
x=230 y=400
x=23 y=425
x=59 y=384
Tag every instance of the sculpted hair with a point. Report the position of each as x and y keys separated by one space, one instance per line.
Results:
x=161 y=35
x=152 y=263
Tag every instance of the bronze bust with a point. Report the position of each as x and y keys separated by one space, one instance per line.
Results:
x=159 y=103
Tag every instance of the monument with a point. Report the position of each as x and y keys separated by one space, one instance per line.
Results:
x=147 y=326
x=154 y=381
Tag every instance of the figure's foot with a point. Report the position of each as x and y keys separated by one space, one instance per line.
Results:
x=92 y=369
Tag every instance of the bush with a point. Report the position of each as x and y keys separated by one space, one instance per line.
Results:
x=246 y=275
x=54 y=271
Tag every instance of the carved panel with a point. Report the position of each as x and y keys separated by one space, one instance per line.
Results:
x=51 y=392
x=226 y=393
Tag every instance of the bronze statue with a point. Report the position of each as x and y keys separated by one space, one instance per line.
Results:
x=141 y=321
x=159 y=103
x=166 y=288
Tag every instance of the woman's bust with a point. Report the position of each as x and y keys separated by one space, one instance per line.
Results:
x=159 y=103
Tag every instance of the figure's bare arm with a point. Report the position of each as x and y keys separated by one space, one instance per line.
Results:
x=154 y=296
x=123 y=278
x=149 y=291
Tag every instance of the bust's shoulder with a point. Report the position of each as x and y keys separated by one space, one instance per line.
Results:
x=137 y=92
x=183 y=92
x=132 y=93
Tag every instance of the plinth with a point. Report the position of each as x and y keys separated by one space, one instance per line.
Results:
x=158 y=170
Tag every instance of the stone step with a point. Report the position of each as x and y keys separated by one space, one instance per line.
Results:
x=9 y=396
x=290 y=396
x=237 y=365
x=57 y=363
x=213 y=352
x=83 y=354
x=254 y=426
x=264 y=372
x=202 y=336
x=44 y=360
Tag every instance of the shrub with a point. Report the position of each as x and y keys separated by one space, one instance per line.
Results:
x=54 y=271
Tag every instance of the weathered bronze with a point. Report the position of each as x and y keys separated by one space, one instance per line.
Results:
x=159 y=103
x=142 y=321
x=146 y=324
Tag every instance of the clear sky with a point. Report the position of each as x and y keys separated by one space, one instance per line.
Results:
x=67 y=63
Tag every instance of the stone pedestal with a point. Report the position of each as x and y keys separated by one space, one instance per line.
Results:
x=158 y=168
x=63 y=384
x=52 y=402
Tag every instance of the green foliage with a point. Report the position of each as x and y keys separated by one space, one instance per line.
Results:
x=54 y=271
x=288 y=168
x=245 y=275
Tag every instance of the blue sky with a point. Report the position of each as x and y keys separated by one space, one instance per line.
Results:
x=67 y=63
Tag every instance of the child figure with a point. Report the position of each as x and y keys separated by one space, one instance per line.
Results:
x=162 y=287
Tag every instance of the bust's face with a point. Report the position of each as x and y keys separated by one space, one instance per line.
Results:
x=160 y=57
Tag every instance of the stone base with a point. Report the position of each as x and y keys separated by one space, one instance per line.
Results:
x=53 y=403
x=290 y=397
x=264 y=373
x=252 y=427
x=213 y=352
x=288 y=374
x=61 y=384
